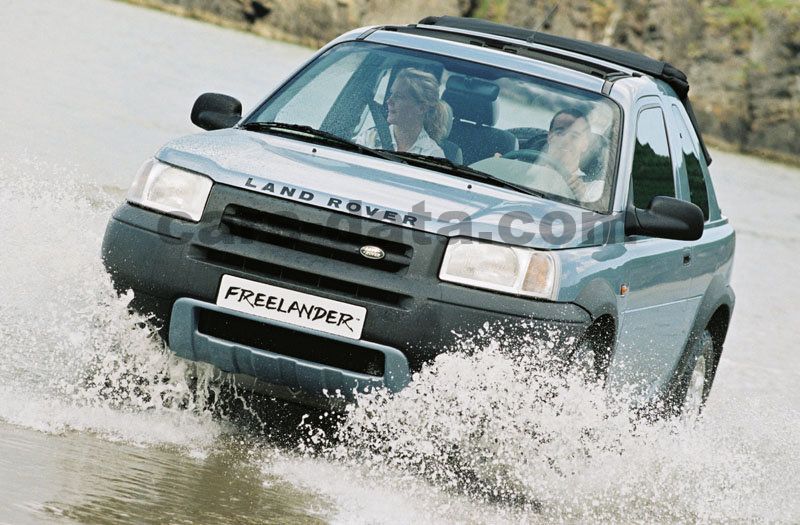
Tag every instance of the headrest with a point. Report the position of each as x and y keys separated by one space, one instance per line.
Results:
x=472 y=99
x=475 y=86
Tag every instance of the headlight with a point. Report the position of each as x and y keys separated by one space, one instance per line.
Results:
x=508 y=269
x=170 y=190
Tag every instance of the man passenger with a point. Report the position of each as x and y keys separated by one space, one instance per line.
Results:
x=568 y=139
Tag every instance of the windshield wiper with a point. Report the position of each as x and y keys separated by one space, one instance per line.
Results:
x=323 y=136
x=446 y=165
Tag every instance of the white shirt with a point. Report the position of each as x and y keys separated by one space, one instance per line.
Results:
x=547 y=179
x=424 y=145
x=594 y=188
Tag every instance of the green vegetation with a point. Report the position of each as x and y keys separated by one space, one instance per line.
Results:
x=750 y=13
x=494 y=10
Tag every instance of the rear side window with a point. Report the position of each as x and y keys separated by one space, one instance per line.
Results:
x=652 y=167
x=698 y=193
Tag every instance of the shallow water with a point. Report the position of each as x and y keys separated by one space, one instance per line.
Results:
x=99 y=424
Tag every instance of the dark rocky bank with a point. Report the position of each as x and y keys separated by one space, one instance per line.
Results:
x=742 y=56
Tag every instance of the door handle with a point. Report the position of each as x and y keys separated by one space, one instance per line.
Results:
x=687 y=256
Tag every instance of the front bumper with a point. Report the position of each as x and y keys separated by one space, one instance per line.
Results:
x=186 y=339
x=175 y=267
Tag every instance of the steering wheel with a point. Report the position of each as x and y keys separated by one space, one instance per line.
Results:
x=535 y=156
x=381 y=124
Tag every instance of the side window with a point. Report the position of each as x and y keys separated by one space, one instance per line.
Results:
x=698 y=193
x=652 y=167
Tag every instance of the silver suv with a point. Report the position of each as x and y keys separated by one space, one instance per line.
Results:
x=412 y=182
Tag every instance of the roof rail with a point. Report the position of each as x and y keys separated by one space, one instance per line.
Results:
x=661 y=70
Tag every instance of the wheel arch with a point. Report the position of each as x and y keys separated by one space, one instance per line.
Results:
x=602 y=334
x=714 y=314
x=600 y=300
x=718 y=327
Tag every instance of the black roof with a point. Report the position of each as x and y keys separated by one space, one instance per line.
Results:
x=671 y=75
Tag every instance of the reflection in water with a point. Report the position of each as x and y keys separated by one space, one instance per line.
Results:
x=158 y=486
x=96 y=481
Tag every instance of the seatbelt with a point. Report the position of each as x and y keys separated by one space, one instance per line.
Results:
x=381 y=125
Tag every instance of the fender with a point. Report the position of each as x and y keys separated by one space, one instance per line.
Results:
x=598 y=298
x=719 y=293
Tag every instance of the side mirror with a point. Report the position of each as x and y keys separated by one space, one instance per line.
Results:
x=667 y=218
x=216 y=111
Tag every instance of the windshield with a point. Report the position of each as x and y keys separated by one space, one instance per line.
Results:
x=557 y=140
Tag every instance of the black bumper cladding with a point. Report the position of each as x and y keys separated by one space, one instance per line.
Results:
x=175 y=268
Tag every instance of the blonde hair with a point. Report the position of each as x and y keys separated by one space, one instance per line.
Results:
x=424 y=88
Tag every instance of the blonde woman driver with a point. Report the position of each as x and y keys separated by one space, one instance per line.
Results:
x=417 y=118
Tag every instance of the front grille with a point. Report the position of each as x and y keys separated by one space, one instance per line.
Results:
x=291 y=343
x=294 y=233
x=316 y=250
x=298 y=277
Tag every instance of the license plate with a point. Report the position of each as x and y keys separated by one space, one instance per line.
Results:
x=295 y=308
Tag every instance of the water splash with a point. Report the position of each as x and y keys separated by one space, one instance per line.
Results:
x=505 y=425
x=488 y=432
x=72 y=357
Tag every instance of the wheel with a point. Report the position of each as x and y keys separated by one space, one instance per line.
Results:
x=537 y=156
x=526 y=155
x=591 y=355
x=698 y=376
x=584 y=360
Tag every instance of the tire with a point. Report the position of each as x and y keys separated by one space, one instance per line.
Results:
x=697 y=377
x=590 y=357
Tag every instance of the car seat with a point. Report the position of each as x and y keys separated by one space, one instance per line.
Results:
x=452 y=151
x=474 y=104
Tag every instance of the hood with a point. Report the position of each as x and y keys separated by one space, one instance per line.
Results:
x=384 y=190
